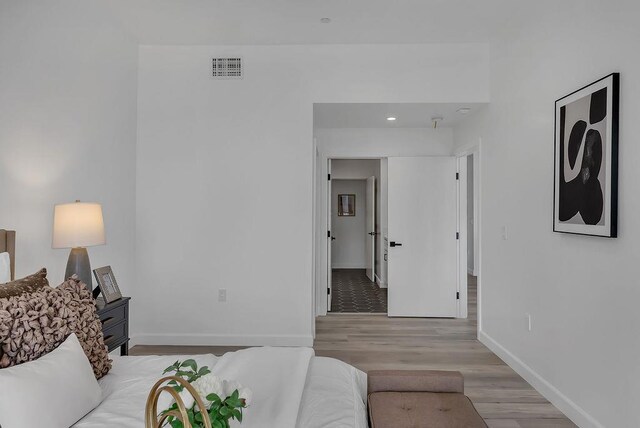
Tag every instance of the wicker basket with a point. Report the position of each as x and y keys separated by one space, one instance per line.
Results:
x=153 y=420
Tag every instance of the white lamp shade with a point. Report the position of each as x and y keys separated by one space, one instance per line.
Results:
x=79 y=224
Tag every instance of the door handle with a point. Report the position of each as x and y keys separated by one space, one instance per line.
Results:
x=395 y=244
x=372 y=233
x=333 y=238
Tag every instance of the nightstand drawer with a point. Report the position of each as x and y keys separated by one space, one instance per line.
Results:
x=115 y=335
x=114 y=315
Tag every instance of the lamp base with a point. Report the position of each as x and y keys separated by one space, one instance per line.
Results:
x=78 y=264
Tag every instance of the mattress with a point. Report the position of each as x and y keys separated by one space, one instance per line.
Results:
x=334 y=393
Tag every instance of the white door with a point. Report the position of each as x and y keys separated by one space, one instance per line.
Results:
x=330 y=237
x=370 y=219
x=422 y=260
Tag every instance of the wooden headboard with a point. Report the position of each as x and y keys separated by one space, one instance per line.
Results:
x=8 y=244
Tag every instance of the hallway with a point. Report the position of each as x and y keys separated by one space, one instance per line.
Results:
x=353 y=292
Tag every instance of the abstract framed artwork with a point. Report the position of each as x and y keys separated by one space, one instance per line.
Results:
x=586 y=160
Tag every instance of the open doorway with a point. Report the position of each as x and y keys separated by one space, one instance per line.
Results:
x=419 y=248
x=472 y=275
x=468 y=214
x=354 y=208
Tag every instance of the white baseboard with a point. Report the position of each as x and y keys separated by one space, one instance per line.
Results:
x=380 y=283
x=574 y=412
x=339 y=266
x=219 y=340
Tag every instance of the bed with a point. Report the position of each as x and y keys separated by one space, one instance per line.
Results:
x=291 y=386
x=8 y=245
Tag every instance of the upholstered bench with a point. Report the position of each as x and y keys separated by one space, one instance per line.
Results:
x=419 y=399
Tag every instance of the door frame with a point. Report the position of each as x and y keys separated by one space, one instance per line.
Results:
x=319 y=227
x=461 y=155
x=321 y=261
x=371 y=238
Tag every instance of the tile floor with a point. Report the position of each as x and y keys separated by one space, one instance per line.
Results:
x=353 y=292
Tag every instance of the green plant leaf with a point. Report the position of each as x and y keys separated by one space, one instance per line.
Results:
x=190 y=363
x=237 y=414
x=172 y=367
x=213 y=398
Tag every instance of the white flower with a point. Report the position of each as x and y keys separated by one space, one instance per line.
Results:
x=207 y=384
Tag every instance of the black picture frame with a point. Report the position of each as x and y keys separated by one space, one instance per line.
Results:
x=586 y=149
x=107 y=284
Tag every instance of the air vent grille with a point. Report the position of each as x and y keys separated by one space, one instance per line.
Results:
x=227 y=68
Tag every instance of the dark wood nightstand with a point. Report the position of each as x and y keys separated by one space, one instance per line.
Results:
x=115 y=323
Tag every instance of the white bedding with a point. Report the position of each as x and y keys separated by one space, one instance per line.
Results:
x=288 y=384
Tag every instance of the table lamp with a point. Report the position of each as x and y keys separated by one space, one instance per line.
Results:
x=78 y=225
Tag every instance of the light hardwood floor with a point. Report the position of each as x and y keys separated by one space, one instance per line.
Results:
x=368 y=342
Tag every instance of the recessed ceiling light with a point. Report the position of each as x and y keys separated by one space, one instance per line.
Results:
x=463 y=110
x=325 y=20
x=391 y=118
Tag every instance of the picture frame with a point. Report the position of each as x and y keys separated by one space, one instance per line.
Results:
x=107 y=284
x=585 y=197
x=347 y=205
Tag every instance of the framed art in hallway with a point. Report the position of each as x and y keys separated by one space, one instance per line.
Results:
x=586 y=160
x=347 y=205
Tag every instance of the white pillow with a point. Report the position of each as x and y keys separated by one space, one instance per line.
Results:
x=5 y=268
x=55 y=390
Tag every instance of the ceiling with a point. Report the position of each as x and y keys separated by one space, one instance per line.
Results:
x=408 y=115
x=239 y=22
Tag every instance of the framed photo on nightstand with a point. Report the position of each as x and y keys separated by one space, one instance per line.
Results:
x=107 y=283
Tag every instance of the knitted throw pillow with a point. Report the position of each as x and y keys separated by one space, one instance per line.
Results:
x=34 y=324
x=27 y=284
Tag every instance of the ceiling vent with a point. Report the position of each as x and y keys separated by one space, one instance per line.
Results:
x=227 y=68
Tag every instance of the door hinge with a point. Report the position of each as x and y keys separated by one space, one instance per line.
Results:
x=328 y=291
x=457 y=235
x=328 y=234
x=329 y=177
x=457 y=295
x=457 y=176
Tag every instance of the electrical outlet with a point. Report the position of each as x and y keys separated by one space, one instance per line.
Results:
x=528 y=322
x=222 y=295
x=504 y=233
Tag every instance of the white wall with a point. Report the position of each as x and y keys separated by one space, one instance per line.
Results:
x=349 y=249
x=67 y=129
x=253 y=234
x=582 y=292
x=384 y=142
x=355 y=169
